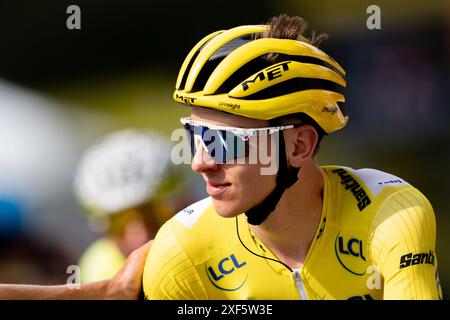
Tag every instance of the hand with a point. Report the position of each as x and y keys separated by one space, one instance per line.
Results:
x=127 y=283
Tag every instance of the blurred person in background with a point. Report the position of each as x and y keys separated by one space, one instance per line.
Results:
x=124 y=183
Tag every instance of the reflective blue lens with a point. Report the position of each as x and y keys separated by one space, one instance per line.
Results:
x=222 y=145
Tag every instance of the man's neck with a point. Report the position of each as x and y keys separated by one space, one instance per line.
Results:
x=289 y=230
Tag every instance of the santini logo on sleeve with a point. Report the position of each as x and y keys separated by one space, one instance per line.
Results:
x=411 y=259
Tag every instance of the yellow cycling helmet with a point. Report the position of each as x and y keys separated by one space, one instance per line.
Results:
x=229 y=70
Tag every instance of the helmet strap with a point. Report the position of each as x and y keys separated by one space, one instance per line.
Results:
x=286 y=177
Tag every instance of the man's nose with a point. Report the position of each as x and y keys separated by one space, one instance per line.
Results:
x=202 y=161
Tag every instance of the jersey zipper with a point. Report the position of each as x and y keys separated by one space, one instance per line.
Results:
x=299 y=284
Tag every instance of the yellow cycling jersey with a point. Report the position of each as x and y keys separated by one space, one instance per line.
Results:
x=376 y=240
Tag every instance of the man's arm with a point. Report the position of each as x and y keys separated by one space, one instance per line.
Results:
x=126 y=284
x=404 y=247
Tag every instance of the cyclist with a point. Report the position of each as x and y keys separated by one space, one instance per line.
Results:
x=304 y=231
x=122 y=183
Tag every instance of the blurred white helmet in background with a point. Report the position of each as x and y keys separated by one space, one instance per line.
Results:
x=121 y=171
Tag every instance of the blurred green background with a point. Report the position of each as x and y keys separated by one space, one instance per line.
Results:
x=62 y=89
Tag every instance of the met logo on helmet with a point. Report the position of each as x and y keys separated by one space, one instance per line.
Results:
x=269 y=73
x=185 y=100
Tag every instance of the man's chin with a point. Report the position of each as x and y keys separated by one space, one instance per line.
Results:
x=226 y=209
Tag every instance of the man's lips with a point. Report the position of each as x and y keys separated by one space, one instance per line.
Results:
x=215 y=188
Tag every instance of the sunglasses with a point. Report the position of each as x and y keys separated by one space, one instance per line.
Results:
x=224 y=144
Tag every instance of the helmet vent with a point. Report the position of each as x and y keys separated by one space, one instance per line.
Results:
x=242 y=73
x=186 y=73
x=307 y=59
x=215 y=59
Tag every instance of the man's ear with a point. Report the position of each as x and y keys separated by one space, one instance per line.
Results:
x=300 y=145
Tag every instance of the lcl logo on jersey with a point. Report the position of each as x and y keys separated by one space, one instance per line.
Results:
x=227 y=274
x=350 y=254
